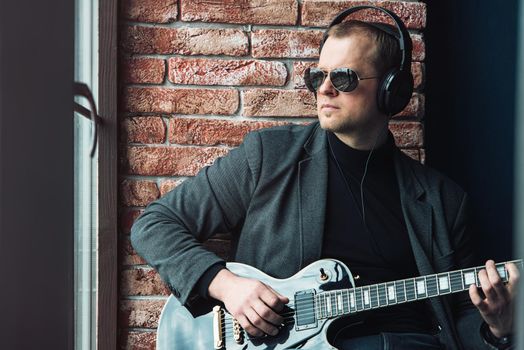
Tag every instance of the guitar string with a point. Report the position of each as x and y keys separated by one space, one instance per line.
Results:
x=329 y=313
x=290 y=320
x=383 y=293
x=359 y=299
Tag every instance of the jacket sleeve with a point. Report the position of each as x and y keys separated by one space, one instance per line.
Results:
x=170 y=232
x=467 y=318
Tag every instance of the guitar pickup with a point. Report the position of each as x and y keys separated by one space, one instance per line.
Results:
x=305 y=315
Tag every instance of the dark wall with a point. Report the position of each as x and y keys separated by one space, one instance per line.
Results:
x=36 y=174
x=470 y=110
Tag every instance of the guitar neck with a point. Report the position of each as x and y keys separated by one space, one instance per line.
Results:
x=341 y=302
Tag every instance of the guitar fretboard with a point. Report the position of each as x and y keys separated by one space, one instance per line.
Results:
x=347 y=301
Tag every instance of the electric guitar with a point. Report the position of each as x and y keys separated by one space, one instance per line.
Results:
x=319 y=294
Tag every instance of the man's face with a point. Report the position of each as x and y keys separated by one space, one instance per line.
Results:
x=355 y=113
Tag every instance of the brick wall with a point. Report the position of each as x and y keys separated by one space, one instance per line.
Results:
x=195 y=77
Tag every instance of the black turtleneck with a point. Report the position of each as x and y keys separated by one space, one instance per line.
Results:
x=378 y=250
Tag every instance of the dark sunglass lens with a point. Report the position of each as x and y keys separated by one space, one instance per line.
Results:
x=316 y=77
x=343 y=79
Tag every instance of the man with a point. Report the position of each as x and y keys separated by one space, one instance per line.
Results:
x=338 y=188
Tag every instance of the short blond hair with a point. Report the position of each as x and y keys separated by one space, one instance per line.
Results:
x=387 y=55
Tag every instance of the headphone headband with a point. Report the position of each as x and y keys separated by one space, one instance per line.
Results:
x=403 y=38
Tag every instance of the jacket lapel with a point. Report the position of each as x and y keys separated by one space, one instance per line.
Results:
x=312 y=189
x=417 y=213
x=418 y=217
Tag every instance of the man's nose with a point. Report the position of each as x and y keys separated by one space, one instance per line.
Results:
x=326 y=88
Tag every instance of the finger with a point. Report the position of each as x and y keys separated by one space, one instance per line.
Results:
x=487 y=287
x=267 y=313
x=495 y=280
x=282 y=298
x=476 y=298
x=249 y=327
x=513 y=271
x=256 y=320
x=272 y=299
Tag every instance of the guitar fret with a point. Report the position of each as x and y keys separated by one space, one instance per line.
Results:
x=329 y=305
x=352 y=301
x=469 y=277
x=346 y=301
x=420 y=284
x=358 y=297
x=443 y=283
x=374 y=296
x=338 y=303
x=392 y=296
x=317 y=307
x=382 y=300
x=431 y=285
x=324 y=306
x=410 y=290
x=365 y=292
x=399 y=291
x=501 y=269
x=340 y=306
x=456 y=281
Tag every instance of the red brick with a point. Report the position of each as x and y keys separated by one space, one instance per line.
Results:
x=170 y=161
x=319 y=13
x=286 y=43
x=168 y=185
x=184 y=41
x=415 y=107
x=181 y=101
x=213 y=132
x=419 y=48
x=142 y=71
x=127 y=219
x=305 y=44
x=245 y=11
x=298 y=73
x=417 y=154
x=152 y=11
x=283 y=103
x=203 y=71
x=142 y=281
x=300 y=66
x=140 y=313
x=417 y=69
x=128 y=256
x=133 y=340
x=144 y=130
x=408 y=134
x=138 y=193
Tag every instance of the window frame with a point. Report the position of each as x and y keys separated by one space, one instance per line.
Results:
x=107 y=302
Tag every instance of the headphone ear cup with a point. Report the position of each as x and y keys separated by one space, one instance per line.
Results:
x=395 y=91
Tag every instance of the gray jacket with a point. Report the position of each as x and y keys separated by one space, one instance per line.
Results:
x=270 y=194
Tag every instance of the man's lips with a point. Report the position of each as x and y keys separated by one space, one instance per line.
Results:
x=328 y=106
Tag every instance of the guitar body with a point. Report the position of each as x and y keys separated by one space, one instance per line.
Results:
x=178 y=329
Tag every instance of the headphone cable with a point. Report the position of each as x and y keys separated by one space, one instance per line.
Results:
x=366 y=171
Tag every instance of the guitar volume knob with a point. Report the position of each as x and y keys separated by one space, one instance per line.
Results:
x=323 y=275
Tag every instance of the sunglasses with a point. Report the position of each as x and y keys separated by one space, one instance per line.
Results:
x=342 y=79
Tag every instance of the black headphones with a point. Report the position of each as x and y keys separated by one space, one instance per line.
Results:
x=396 y=87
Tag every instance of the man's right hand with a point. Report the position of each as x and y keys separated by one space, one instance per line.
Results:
x=252 y=303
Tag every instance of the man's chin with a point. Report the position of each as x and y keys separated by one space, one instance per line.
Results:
x=330 y=123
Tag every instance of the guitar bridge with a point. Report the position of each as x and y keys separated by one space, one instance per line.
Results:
x=218 y=330
x=238 y=332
